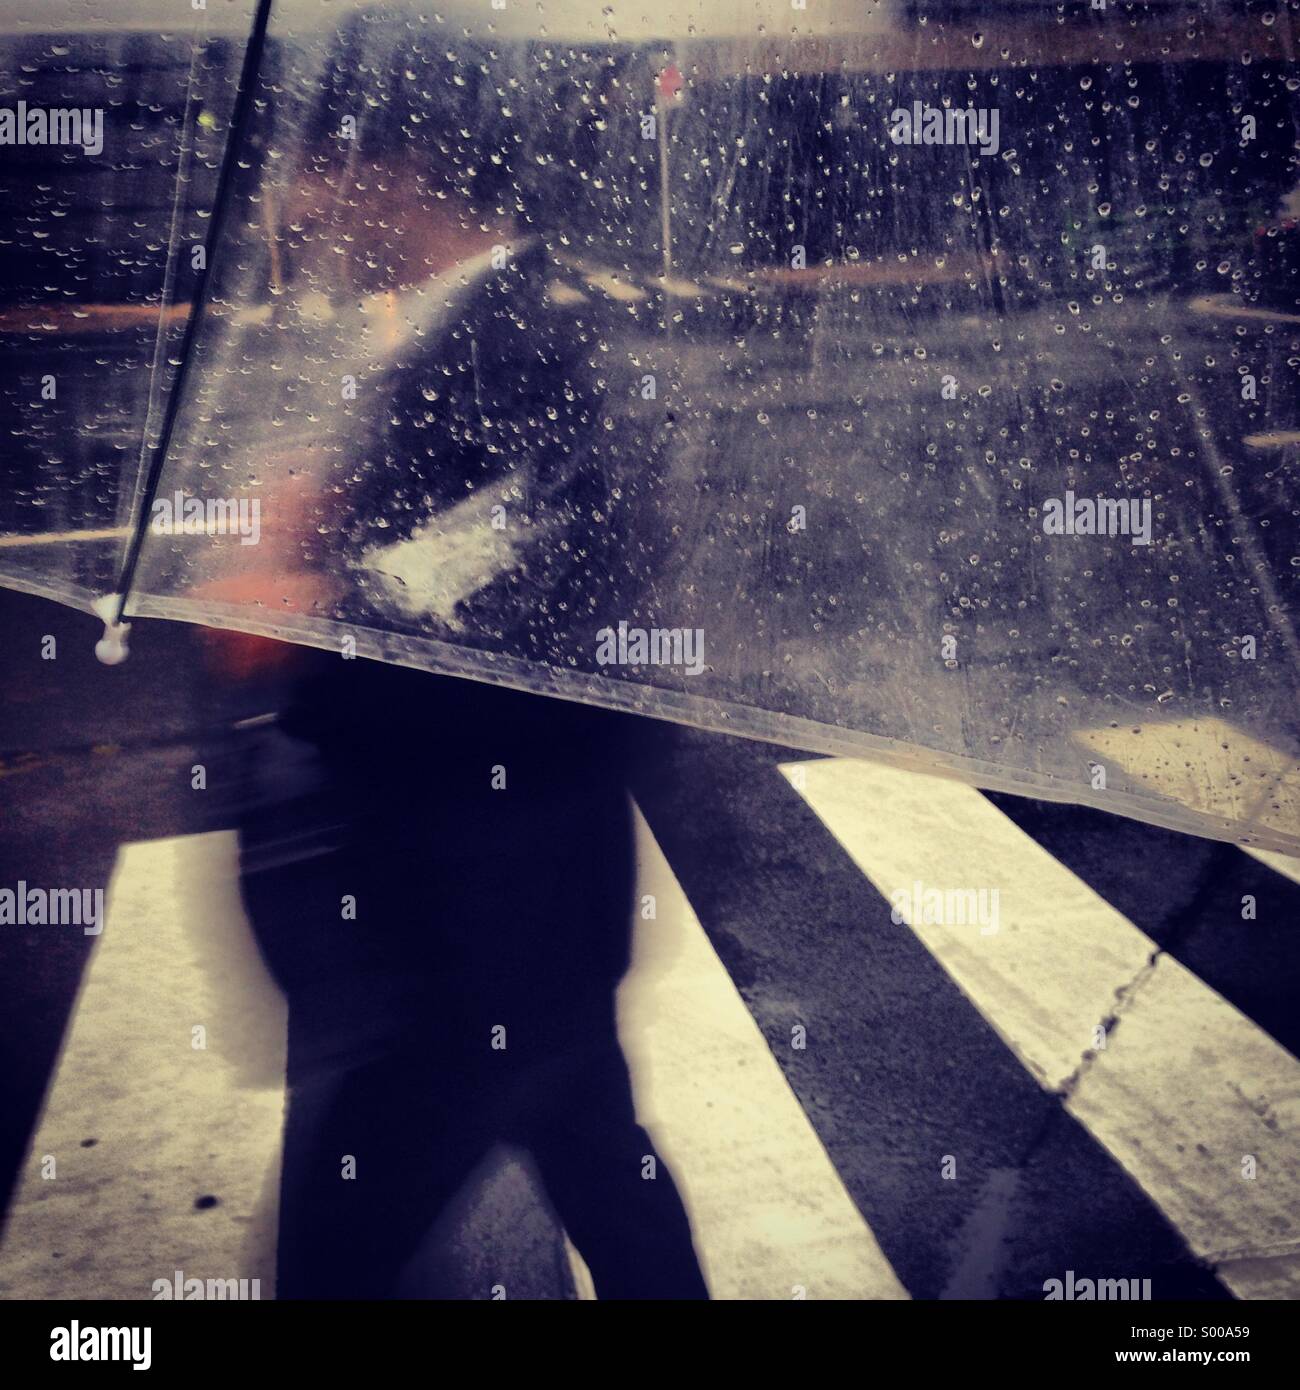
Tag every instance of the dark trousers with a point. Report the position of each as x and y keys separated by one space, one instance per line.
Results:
x=450 y=953
x=414 y=1145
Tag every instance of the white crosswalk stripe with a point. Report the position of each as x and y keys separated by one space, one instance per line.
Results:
x=1283 y=864
x=172 y=1122
x=1192 y=1098
x=771 y=1217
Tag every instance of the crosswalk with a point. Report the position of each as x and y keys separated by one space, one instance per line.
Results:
x=1184 y=1090
x=891 y=1047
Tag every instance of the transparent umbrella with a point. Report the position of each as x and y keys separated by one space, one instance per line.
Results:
x=907 y=381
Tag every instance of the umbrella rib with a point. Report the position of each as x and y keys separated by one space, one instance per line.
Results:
x=167 y=308
x=221 y=201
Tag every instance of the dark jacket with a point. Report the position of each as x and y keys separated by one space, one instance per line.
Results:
x=500 y=400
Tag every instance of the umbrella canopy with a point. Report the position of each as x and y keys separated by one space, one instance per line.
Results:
x=910 y=382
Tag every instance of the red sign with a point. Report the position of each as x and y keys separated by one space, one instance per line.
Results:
x=671 y=82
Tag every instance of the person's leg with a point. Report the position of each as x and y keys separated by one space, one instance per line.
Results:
x=368 y=1166
x=614 y=1194
x=367 y=1162
x=570 y=840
